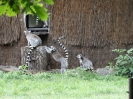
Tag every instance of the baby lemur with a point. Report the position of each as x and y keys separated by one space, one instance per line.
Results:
x=85 y=63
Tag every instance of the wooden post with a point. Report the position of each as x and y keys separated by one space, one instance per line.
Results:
x=130 y=88
x=38 y=58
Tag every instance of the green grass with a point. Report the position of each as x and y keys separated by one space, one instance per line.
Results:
x=84 y=85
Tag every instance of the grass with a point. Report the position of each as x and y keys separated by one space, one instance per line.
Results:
x=84 y=85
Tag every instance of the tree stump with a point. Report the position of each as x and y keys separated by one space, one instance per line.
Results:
x=38 y=58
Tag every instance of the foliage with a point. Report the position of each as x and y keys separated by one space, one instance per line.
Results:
x=35 y=7
x=22 y=68
x=110 y=65
x=82 y=85
x=124 y=62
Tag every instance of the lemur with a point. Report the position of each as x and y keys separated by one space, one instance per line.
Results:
x=85 y=63
x=57 y=56
x=33 y=42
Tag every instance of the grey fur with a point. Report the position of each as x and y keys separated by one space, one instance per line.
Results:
x=33 y=42
x=58 y=57
x=85 y=63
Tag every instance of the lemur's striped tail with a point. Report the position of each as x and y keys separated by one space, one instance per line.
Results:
x=28 y=56
x=63 y=46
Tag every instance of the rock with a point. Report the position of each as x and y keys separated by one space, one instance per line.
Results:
x=104 y=71
x=8 y=68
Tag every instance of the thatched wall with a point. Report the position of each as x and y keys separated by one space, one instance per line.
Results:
x=92 y=28
x=10 y=32
x=99 y=23
x=11 y=40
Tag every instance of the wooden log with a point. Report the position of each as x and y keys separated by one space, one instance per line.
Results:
x=38 y=58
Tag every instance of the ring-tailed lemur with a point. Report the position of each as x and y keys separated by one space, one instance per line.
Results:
x=33 y=42
x=85 y=63
x=63 y=46
x=57 y=56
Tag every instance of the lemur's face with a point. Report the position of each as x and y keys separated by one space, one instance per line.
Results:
x=50 y=49
x=53 y=48
x=79 y=56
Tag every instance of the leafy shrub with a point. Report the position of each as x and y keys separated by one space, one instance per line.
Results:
x=124 y=62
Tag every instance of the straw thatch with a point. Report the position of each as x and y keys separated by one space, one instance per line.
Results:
x=12 y=39
x=10 y=29
x=94 y=23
